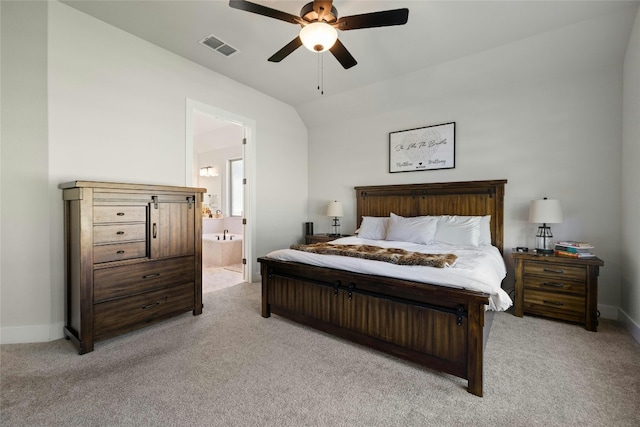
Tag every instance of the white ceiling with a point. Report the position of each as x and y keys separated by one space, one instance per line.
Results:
x=437 y=31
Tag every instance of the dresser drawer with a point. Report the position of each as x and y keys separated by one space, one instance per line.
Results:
x=540 y=302
x=109 y=283
x=119 y=251
x=119 y=233
x=112 y=316
x=554 y=284
x=555 y=270
x=107 y=214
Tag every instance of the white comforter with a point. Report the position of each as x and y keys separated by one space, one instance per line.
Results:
x=479 y=268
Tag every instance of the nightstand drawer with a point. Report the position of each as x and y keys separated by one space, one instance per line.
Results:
x=555 y=302
x=555 y=270
x=554 y=284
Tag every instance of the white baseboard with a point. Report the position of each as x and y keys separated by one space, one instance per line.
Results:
x=632 y=326
x=609 y=312
x=31 y=334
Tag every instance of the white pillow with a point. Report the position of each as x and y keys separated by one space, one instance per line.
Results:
x=419 y=229
x=463 y=231
x=373 y=227
x=485 y=226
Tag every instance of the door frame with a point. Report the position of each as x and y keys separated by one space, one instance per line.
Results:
x=249 y=156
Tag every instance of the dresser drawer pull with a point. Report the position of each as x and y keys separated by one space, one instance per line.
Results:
x=144 y=307
x=120 y=214
x=551 y=270
x=553 y=285
x=552 y=302
x=120 y=252
x=120 y=233
x=149 y=276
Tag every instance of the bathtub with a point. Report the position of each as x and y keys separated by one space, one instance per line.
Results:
x=217 y=252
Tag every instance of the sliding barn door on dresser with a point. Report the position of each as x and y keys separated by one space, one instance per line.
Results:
x=133 y=256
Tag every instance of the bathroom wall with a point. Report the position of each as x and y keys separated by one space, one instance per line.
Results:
x=218 y=225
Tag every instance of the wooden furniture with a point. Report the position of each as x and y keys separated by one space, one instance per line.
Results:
x=321 y=238
x=133 y=256
x=436 y=326
x=557 y=287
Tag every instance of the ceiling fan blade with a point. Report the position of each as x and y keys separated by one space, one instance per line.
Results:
x=285 y=51
x=342 y=55
x=247 y=6
x=385 y=18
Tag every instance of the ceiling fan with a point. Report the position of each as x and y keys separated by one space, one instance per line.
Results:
x=319 y=21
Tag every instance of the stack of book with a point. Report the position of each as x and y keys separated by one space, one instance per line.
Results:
x=574 y=249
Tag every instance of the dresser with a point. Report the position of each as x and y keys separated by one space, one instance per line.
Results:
x=133 y=256
x=557 y=287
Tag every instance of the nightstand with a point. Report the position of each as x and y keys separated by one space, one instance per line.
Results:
x=557 y=287
x=319 y=238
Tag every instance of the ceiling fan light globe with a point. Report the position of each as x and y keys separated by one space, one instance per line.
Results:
x=318 y=36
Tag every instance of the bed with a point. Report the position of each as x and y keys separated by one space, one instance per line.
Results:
x=438 y=326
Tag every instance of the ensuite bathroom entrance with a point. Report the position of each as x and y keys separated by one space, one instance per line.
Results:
x=218 y=157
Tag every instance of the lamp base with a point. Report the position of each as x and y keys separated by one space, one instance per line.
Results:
x=544 y=251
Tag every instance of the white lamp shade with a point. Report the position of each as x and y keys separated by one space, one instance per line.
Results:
x=335 y=209
x=545 y=211
x=318 y=36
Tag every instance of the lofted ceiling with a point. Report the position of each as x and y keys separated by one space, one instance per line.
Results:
x=436 y=32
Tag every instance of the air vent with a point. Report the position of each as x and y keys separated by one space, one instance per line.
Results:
x=218 y=45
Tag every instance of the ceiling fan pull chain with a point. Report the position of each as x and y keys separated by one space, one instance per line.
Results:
x=318 y=70
x=321 y=74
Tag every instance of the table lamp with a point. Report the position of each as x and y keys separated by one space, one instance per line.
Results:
x=545 y=211
x=335 y=210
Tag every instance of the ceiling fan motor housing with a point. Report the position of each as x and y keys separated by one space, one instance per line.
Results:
x=310 y=15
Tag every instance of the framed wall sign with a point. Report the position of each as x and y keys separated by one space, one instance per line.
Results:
x=426 y=148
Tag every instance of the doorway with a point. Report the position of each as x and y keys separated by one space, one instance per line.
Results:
x=219 y=144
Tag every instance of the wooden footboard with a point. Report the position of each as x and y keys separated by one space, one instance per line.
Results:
x=435 y=326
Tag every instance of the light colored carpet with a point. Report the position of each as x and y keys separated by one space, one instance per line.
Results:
x=231 y=367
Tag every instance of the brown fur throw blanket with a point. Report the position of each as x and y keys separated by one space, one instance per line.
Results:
x=376 y=253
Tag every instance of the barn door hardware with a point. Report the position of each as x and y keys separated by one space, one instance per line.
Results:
x=336 y=287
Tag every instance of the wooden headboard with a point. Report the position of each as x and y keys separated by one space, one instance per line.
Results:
x=445 y=198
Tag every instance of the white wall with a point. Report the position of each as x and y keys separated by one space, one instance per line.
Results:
x=218 y=159
x=550 y=134
x=630 y=256
x=25 y=285
x=116 y=112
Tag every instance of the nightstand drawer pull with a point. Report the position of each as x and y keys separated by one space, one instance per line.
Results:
x=554 y=285
x=144 y=307
x=550 y=270
x=552 y=302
